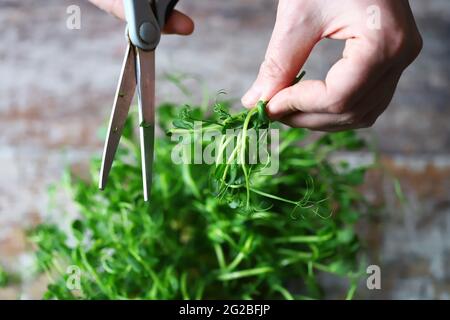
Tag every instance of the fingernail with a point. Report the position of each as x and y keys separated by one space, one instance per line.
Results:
x=250 y=99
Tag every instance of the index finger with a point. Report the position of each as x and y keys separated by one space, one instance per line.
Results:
x=347 y=81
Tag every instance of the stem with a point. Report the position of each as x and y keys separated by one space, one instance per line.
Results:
x=245 y=273
x=271 y=196
x=243 y=149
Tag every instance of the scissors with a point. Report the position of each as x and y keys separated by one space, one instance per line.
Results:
x=145 y=19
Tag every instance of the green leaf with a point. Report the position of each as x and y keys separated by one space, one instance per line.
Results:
x=219 y=231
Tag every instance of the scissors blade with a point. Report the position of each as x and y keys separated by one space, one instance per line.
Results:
x=145 y=71
x=123 y=99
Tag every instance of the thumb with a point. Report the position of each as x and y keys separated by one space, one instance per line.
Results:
x=292 y=41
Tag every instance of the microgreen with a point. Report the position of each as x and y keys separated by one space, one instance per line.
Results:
x=219 y=230
x=3 y=277
x=232 y=171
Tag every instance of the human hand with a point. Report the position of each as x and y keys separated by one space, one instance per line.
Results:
x=360 y=86
x=178 y=23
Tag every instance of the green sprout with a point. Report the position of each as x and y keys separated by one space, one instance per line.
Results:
x=212 y=231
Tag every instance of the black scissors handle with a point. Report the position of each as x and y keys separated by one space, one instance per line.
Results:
x=146 y=19
x=164 y=9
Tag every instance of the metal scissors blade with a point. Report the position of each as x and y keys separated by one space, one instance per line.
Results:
x=145 y=72
x=145 y=19
x=124 y=97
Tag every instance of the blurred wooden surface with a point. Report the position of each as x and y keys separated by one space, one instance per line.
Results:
x=56 y=87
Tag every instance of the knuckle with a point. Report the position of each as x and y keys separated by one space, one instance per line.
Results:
x=405 y=46
x=272 y=69
x=416 y=45
x=350 y=118
x=338 y=107
x=291 y=101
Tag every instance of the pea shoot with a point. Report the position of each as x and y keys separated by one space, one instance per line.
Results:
x=220 y=230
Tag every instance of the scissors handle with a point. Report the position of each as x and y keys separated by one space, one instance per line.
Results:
x=164 y=9
x=146 y=19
